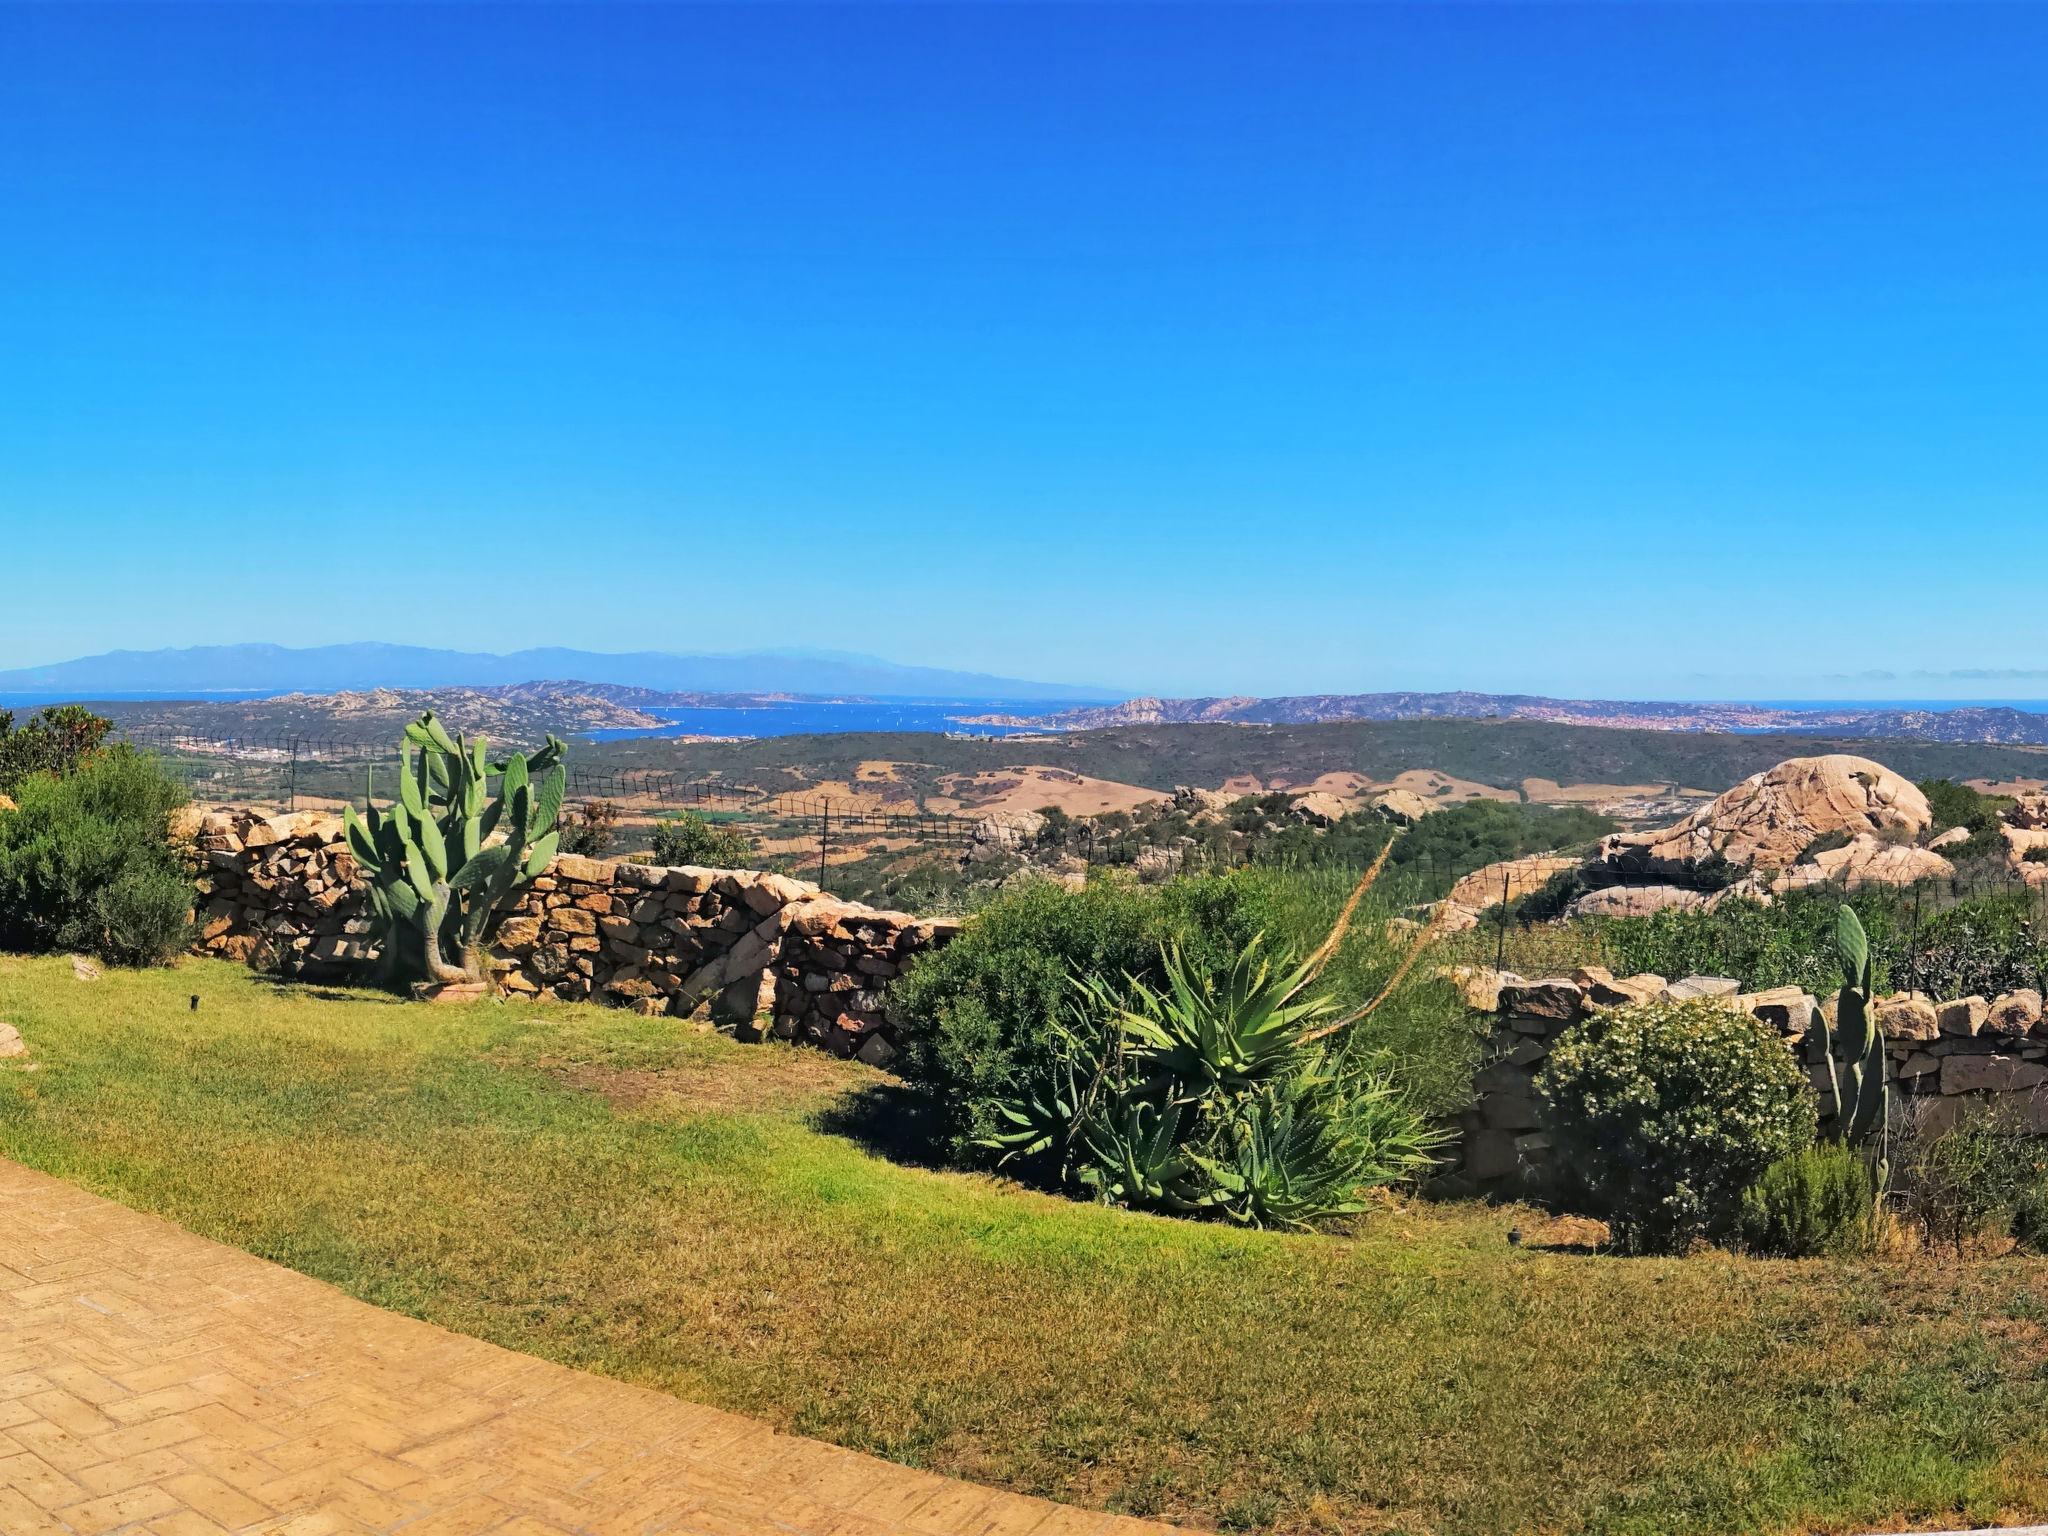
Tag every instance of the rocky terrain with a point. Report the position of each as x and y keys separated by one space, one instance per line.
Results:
x=1834 y=819
x=519 y=712
x=1994 y=724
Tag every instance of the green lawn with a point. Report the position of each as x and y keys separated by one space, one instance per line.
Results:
x=627 y=1195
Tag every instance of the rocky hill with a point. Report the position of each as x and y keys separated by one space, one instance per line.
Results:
x=522 y=712
x=1875 y=721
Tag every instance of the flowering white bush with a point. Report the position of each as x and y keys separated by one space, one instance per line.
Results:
x=1667 y=1111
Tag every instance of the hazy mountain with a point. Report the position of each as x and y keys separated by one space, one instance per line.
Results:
x=372 y=665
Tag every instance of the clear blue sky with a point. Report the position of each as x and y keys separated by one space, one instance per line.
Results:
x=1627 y=348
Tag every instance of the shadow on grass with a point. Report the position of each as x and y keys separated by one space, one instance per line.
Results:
x=889 y=1120
x=329 y=991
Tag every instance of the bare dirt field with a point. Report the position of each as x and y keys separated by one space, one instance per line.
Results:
x=1035 y=788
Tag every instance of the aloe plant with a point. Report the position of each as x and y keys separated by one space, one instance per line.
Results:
x=1137 y=1160
x=444 y=858
x=1306 y=1145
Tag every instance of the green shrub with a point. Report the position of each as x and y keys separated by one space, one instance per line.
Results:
x=978 y=1014
x=1983 y=945
x=2030 y=1216
x=1819 y=1202
x=1958 y=805
x=591 y=830
x=1972 y=1177
x=86 y=862
x=691 y=839
x=1790 y=942
x=1667 y=1111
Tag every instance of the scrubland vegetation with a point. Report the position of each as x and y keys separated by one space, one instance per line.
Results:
x=1272 y=1325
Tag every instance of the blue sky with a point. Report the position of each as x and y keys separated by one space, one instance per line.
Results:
x=1627 y=349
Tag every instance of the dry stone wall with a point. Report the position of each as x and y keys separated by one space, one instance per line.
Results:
x=760 y=953
x=1942 y=1056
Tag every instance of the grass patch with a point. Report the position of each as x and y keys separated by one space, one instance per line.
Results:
x=626 y=1195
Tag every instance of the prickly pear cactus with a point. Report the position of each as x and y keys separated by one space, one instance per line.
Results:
x=443 y=859
x=1855 y=1043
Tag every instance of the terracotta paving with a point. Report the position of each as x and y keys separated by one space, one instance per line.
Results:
x=153 y=1383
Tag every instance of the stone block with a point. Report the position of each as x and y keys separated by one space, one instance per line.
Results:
x=1491 y=1155
x=2014 y=1013
x=1965 y=1016
x=761 y=900
x=1919 y=1064
x=1509 y=1112
x=1553 y=998
x=1788 y=1010
x=572 y=866
x=1691 y=988
x=1906 y=1017
x=1604 y=989
x=1989 y=1074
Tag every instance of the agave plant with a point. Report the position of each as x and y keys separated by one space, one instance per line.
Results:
x=1051 y=1106
x=443 y=859
x=1234 y=1092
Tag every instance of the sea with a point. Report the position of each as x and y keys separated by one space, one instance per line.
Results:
x=807 y=717
x=796 y=717
x=804 y=717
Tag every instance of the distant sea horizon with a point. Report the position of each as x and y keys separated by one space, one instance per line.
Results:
x=1938 y=706
x=841 y=716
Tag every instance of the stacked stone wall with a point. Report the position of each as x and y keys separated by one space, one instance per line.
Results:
x=760 y=953
x=1942 y=1057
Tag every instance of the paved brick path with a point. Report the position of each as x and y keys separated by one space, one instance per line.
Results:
x=155 y=1383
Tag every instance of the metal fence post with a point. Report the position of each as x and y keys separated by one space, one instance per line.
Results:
x=292 y=788
x=824 y=838
x=1500 y=949
x=1913 y=949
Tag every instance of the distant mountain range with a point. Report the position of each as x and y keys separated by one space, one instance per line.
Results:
x=1998 y=724
x=210 y=669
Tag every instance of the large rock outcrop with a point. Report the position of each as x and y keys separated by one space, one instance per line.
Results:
x=1770 y=819
x=1403 y=807
x=1509 y=880
x=1874 y=861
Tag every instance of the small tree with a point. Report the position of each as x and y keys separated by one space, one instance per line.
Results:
x=593 y=830
x=55 y=741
